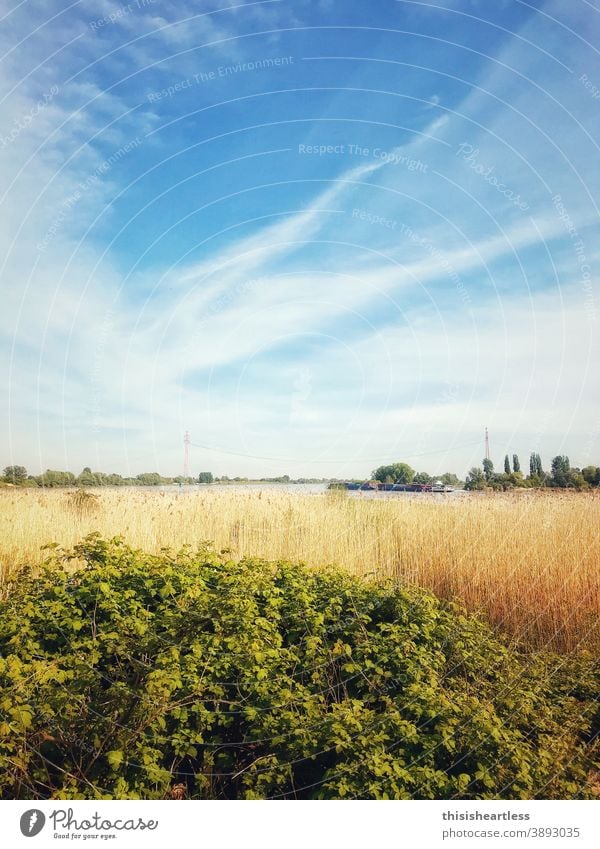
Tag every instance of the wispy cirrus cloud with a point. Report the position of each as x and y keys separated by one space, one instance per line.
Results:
x=283 y=322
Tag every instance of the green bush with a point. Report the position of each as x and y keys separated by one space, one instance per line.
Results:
x=187 y=674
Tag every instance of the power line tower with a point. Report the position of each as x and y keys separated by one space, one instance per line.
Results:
x=487 y=445
x=186 y=454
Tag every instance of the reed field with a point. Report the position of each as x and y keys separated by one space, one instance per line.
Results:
x=528 y=562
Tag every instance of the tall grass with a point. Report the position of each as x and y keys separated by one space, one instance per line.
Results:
x=528 y=562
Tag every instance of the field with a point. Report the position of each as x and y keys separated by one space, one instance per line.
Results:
x=132 y=667
x=528 y=563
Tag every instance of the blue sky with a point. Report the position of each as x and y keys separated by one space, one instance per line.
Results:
x=320 y=236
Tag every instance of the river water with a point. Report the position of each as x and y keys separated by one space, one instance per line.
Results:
x=302 y=489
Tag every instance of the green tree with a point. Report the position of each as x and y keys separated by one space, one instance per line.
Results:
x=149 y=479
x=205 y=477
x=506 y=465
x=88 y=478
x=422 y=477
x=560 y=470
x=53 y=478
x=450 y=479
x=537 y=476
x=591 y=475
x=532 y=464
x=514 y=479
x=488 y=469
x=516 y=464
x=394 y=473
x=475 y=479
x=15 y=474
x=576 y=480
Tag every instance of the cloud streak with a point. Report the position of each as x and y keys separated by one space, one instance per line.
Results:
x=252 y=304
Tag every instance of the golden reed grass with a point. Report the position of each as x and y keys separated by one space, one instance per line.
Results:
x=528 y=562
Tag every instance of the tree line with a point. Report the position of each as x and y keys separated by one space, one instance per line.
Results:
x=561 y=475
x=19 y=476
x=403 y=473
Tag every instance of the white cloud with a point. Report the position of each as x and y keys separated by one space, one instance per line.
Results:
x=115 y=380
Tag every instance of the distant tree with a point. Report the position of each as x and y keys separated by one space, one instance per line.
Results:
x=15 y=474
x=31 y=481
x=205 y=477
x=149 y=479
x=394 y=473
x=560 y=470
x=422 y=477
x=506 y=465
x=516 y=464
x=488 y=469
x=532 y=464
x=537 y=476
x=450 y=479
x=514 y=479
x=576 y=480
x=88 y=478
x=591 y=475
x=561 y=462
x=564 y=476
x=475 y=479
x=502 y=481
x=53 y=478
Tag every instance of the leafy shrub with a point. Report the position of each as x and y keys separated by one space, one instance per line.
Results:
x=140 y=676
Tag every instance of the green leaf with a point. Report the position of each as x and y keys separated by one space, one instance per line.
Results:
x=115 y=758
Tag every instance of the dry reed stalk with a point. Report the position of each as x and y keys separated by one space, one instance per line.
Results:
x=529 y=561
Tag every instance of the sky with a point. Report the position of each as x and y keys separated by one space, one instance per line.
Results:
x=319 y=235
